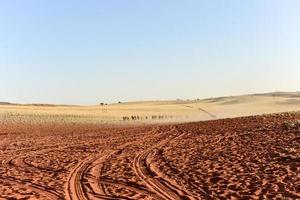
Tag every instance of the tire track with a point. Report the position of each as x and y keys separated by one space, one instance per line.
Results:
x=80 y=174
x=102 y=182
x=75 y=184
x=131 y=186
x=87 y=175
x=157 y=184
x=19 y=163
x=34 y=187
x=202 y=110
x=75 y=190
x=79 y=177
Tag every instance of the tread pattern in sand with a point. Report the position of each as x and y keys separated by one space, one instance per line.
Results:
x=243 y=158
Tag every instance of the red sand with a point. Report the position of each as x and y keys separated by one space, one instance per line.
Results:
x=242 y=158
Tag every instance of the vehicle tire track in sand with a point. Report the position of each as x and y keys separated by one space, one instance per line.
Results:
x=74 y=190
x=89 y=172
x=19 y=163
x=34 y=187
x=79 y=175
x=131 y=186
x=92 y=176
x=202 y=110
x=157 y=184
x=102 y=182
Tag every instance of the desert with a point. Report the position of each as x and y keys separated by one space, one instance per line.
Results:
x=254 y=157
x=149 y=100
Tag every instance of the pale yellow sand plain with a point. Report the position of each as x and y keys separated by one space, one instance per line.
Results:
x=171 y=111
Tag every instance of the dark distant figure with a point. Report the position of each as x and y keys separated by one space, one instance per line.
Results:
x=126 y=118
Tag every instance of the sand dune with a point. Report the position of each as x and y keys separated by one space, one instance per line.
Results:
x=156 y=111
x=90 y=152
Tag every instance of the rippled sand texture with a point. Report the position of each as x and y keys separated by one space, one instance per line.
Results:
x=242 y=158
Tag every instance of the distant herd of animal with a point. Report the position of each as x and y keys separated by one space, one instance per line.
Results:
x=152 y=117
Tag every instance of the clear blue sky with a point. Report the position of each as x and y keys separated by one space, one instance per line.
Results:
x=91 y=51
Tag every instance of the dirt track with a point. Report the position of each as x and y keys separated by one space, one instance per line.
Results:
x=242 y=158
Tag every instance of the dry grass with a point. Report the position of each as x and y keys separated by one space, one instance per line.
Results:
x=173 y=111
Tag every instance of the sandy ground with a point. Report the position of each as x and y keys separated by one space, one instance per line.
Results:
x=154 y=111
x=243 y=158
x=138 y=150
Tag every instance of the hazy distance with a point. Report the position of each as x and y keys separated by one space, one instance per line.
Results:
x=107 y=51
